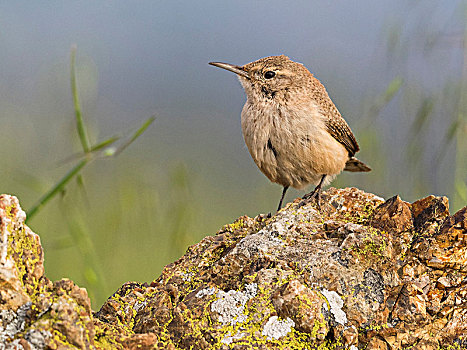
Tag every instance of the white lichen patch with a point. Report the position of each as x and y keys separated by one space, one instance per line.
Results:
x=206 y=291
x=187 y=276
x=278 y=228
x=139 y=305
x=275 y=328
x=14 y=345
x=230 y=306
x=258 y=244
x=335 y=303
x=38 y=339
x=269 y=241
x=12 y=323
x=251 y=290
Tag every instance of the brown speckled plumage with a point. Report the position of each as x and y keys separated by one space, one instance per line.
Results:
x=291 y=127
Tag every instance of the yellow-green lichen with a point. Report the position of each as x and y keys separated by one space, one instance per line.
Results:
x=236 y=225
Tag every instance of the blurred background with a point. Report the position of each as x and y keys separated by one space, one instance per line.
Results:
x=396 y=70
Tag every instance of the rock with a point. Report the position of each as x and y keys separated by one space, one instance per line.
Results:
x=394 y=215
x=305 y=307
x=34 y=312
x=361 y=273
x=429 y=210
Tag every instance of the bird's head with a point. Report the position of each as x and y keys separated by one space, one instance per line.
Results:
x=270 y=77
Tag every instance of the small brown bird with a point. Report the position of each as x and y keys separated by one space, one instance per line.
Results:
x=292 y=129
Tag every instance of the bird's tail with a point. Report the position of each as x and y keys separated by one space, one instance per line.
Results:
x=355 y=165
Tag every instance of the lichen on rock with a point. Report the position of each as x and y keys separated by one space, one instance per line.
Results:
x=230 y=306
x=361 y=273
x=276 y=328
x=34 y=312
x=335 y=303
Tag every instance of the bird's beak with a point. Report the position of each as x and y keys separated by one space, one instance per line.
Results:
x=236 y=69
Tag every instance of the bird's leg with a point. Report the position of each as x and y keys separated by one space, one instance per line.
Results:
x=316 y=193
x=282 y=197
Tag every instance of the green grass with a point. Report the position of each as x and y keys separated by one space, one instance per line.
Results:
x=80 y=236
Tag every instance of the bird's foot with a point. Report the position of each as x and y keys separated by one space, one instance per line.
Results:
x=314 y=195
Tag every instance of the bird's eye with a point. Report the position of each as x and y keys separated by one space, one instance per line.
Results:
x=269 y=74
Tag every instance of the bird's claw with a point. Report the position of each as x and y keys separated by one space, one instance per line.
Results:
x=316 y=195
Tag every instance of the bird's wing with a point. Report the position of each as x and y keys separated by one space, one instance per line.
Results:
x=339 y=129
x=335 y=124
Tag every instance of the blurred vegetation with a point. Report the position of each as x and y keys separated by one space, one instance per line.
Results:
x=411 y=156
x=123 y=219
x=79 y=234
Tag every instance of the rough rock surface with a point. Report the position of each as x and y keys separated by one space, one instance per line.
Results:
x=34 y=312
x=361 y=273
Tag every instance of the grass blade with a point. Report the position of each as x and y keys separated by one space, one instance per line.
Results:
x=56 y=189
x=92 y=272
x=385 y=97
x=93 y=149
x=138 y=132
x=103 y=144
x=74 y=91
x=421 y=118
x=449 y=136
x=393 y=87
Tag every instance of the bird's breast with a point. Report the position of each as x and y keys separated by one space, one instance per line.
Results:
x=291 y=146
